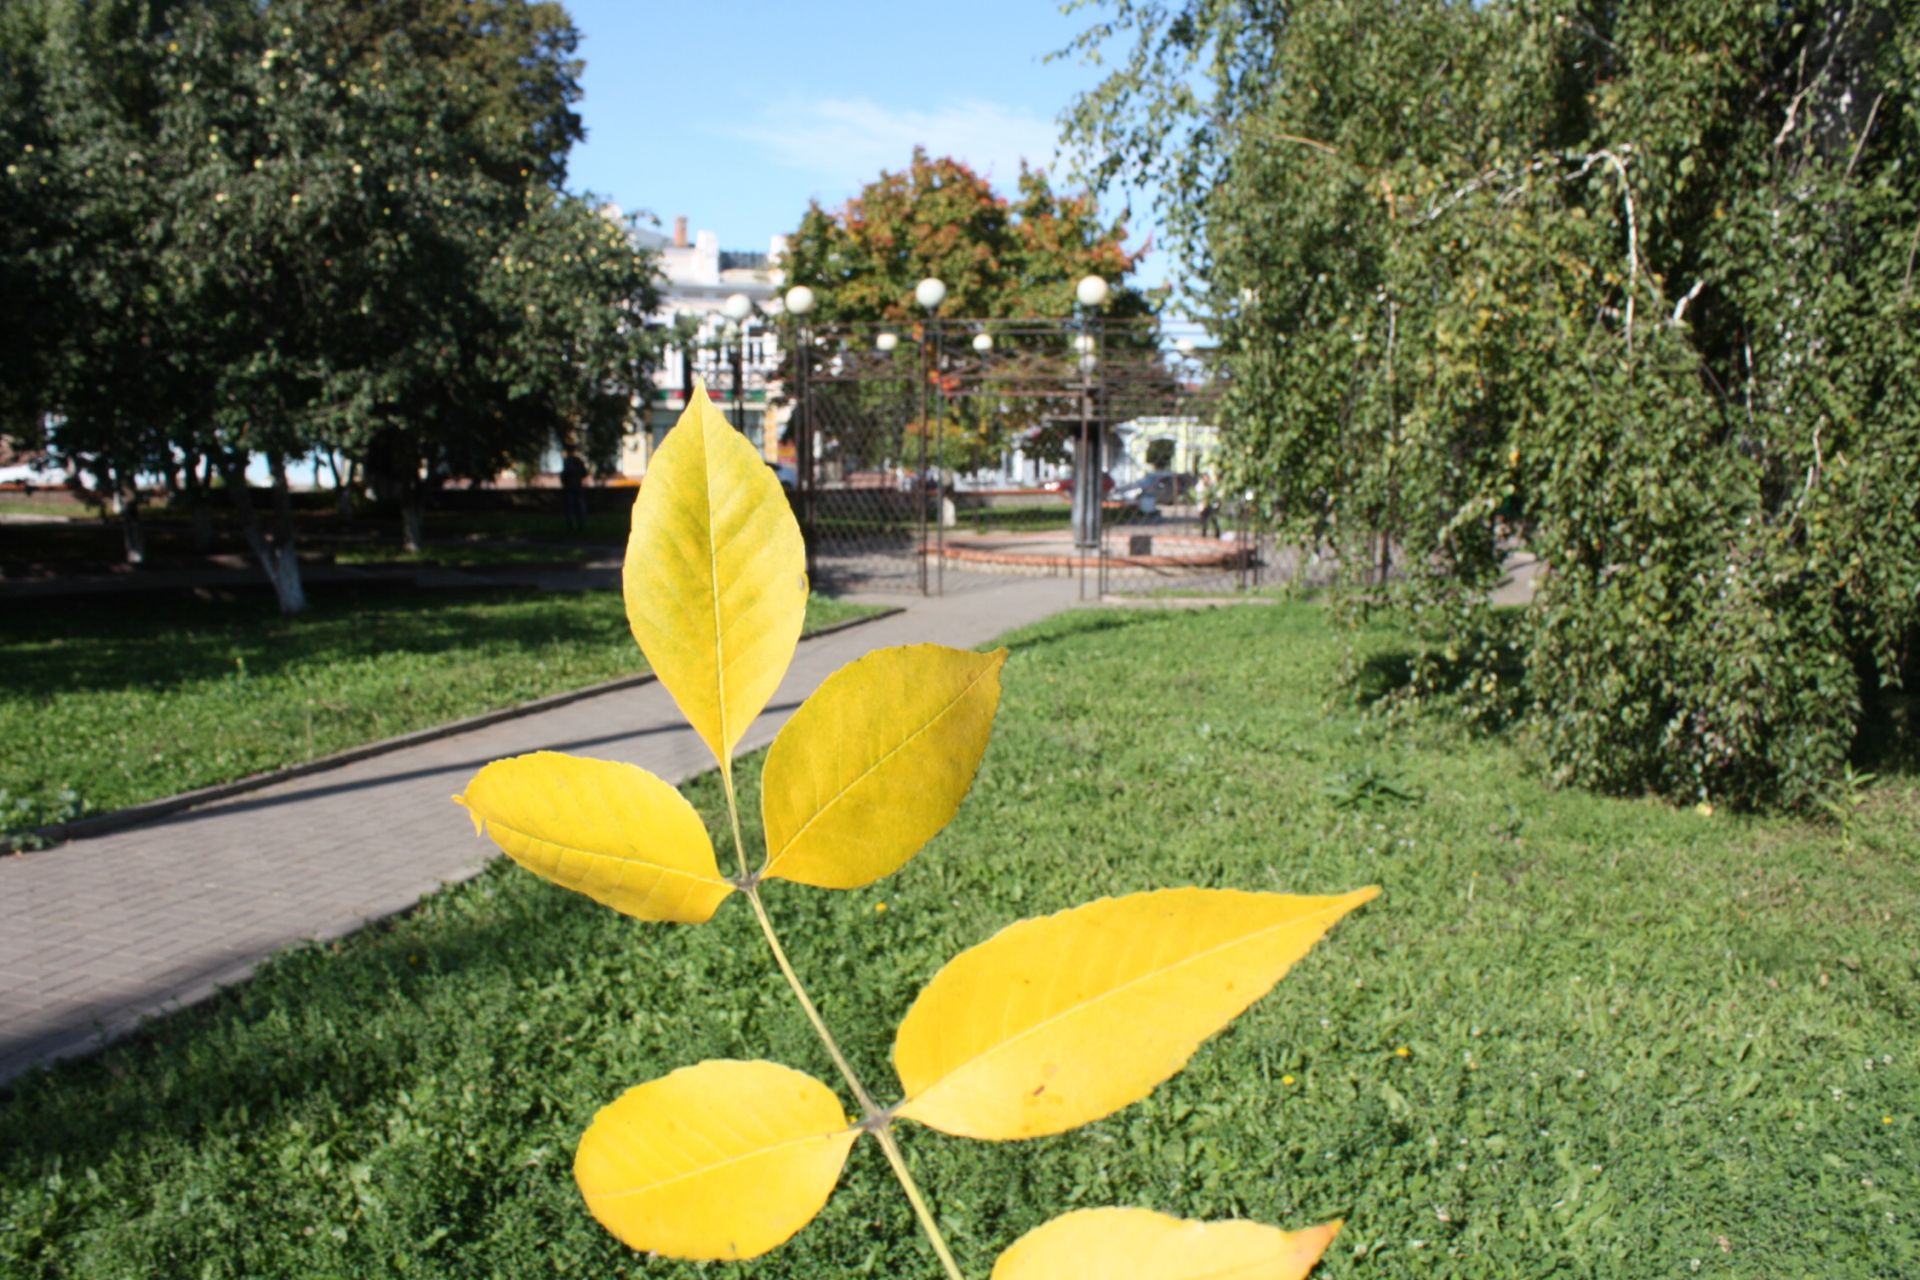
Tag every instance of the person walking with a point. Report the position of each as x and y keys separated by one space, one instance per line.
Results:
x=573 y=491
x=1207 y=492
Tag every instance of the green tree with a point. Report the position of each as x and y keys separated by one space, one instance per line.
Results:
x=23 y=136
x=1629 y=283
x=253 y=232
x=1180 y=77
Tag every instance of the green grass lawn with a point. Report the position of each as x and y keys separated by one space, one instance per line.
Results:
x=82 y=538
x=478 y=553
x=22 y=506
x=1576 y=1036
x=116 y=701
x=1013 y=519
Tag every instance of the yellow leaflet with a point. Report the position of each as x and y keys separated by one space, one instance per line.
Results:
x=716 y=576
x=1055 y=1022
x=611 y=831
x=876 y=762
x=1137 y=1244
x=720 y=1160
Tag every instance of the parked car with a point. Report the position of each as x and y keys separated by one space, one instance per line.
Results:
x=1065 y=484
x=1157 y=489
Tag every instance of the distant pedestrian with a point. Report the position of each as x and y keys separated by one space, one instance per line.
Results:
x=573 y=491
x=1208 y=492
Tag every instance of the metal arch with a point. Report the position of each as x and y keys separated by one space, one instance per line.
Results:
x=855 y=407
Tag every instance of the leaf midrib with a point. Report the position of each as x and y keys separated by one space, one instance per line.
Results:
x=708 y=1169
x=696 y=876
x=1109 y=993
x=724 y=748
x=874 y=767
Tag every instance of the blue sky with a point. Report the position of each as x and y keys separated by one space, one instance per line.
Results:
x=737 y=112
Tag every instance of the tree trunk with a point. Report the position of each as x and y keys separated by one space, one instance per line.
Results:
x=198 y=512
x=282 y=564
x=133 y=536
x=413 y=522
x=276 y=553
x=287 y=584
x=344 y=482
x=126 y=508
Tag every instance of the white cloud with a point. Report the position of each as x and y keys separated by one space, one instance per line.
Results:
x=844 y=143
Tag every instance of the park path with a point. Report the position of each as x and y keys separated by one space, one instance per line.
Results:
x=101 y=934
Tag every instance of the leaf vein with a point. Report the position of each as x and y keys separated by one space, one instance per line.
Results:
x=837 y=796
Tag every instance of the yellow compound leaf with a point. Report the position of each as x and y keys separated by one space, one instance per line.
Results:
x=611 y=831
x=876 y=762
x=716 y=576
x=1138 y=1244
x=1055 y=1022
x=720 y=1160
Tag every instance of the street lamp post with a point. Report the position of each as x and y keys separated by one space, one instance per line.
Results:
x=799 y=302
x=737 y=308
x=1091 y=293
x=929 y=293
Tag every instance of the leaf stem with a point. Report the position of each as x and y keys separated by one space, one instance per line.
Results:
x=875 y=1117
x=733 y=813
x=867 y=1108
x=899 y=1162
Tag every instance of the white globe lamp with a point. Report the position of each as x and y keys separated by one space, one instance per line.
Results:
x=1092 y=291
x=983 y=342
x=799 y=300
x=930 y=293
x=737 y=307
x=886 y=341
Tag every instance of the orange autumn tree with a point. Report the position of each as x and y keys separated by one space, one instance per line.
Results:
x=1050 y=1024
x=1001 y=257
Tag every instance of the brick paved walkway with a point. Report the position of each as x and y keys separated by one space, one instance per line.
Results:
x=97 y=935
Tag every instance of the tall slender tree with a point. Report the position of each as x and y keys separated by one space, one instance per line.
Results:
x=1631 y=283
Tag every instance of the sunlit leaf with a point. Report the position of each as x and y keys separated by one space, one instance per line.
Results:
x=876 y=762
x=716 y=575
x=1138 y=1244
x=720 y=1160
x=611 y=831
x=1056 y=1022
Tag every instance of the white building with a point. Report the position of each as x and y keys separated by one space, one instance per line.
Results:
x=698 y=279
x=1196 y=446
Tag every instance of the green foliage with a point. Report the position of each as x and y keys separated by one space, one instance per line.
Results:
x=107 y=706
x=21 y=815
x=1000 y=257
x=310 y=225
x=1546 y=275
x=1164 y=114
x=1369 y=788
x=1597 y=982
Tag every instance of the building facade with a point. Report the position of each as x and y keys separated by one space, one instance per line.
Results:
x=735 y=358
